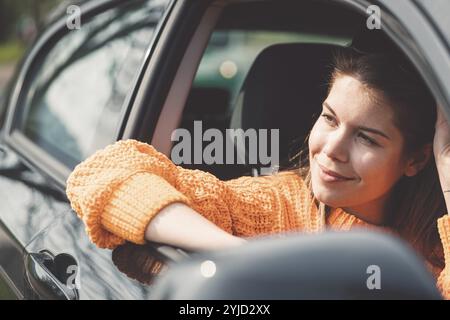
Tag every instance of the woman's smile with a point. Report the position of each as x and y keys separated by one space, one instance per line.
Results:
x=331 y=176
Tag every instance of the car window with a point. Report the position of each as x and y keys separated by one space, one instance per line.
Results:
x=230 y=54
x=226 y=62
x=76 y=93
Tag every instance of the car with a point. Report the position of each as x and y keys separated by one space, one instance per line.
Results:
x=140 y=69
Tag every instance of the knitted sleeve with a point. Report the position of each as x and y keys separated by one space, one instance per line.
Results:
x=119 y=189
x=443 y=282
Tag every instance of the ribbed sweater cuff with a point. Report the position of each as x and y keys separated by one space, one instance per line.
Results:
x=444 y=232
x=135 y=203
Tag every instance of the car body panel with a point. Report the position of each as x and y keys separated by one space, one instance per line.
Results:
x=35 y=214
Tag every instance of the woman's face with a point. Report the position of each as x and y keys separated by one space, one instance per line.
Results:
x=357 y=140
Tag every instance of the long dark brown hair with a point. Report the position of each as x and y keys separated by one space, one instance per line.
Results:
x=415 y=202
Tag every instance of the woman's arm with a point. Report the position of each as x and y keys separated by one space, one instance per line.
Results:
x=120 y=190
x=180 y=226
x=441 y=148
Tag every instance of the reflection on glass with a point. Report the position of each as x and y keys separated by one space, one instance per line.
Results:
x=230 y=54
x=76 y=95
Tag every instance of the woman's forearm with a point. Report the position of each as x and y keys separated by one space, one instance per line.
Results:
x=181 y=226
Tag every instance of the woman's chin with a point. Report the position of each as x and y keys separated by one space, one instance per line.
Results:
x=329 y=201
x=330 y=198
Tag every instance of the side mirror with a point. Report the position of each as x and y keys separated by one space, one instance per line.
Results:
x=350 y=265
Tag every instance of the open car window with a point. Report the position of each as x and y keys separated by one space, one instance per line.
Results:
x=220 y=77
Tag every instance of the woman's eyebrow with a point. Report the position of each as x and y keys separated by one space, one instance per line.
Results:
x=326 y=105
x=375 y=131
x=372 y=130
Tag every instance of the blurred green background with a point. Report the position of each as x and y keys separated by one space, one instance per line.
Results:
x=20 y=22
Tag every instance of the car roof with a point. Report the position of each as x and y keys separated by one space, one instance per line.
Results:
x=437 y=11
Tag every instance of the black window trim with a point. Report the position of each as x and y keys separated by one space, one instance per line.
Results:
x=172 y=70
x=161 y=70
x=29 y=152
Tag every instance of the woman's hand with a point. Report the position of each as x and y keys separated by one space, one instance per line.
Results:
x=441 y=148
x=441 y=143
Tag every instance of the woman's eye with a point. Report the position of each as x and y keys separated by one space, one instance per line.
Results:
x=328 y=118
x=367 y=140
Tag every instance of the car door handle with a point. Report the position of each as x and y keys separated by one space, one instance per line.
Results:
x=52 y=277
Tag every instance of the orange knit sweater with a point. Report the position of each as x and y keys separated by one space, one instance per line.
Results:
x=118 y=190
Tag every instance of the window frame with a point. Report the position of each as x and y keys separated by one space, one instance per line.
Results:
x=418 y=36
x=32 y=154
x=404 y=23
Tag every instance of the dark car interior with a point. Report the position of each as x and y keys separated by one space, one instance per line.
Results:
x=286 y=83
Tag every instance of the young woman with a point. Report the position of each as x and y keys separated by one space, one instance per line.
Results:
x=378 y=157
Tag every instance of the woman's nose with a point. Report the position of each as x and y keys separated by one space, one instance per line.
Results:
x=337 y=147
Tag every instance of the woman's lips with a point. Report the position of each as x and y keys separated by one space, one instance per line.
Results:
x=331 y=176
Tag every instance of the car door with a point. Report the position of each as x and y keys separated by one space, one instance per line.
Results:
x=70 y=98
